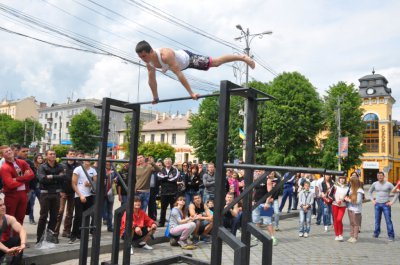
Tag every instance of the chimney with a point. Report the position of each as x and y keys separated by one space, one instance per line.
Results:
x=164 y=116
x=157 y=116
x=188 y=113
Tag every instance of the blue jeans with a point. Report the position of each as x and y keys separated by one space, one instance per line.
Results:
x=320 y=208
x=305 y=221
x=387 y=212
x=34 y=193
x=276 y=212
x=189 y=197
x=207 y=196
x=144 y=199
x=108 y=212
x=286 y=193
x=327 y=210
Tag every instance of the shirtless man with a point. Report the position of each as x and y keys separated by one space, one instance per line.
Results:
x=177 y=61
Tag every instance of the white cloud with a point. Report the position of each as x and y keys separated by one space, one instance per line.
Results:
x=327 y=41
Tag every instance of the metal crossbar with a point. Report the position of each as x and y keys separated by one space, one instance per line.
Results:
x=285 y=169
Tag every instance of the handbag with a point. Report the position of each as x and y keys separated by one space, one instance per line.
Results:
x=167 y=234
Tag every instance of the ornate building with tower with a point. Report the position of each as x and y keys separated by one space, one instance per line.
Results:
x=382 y=133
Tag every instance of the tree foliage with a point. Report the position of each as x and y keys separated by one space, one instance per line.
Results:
x=203 y=132
x=83 y=129
x=61 y=150
x=352 y=126
x=17 y=131
x=157 y=150
x=291 y=122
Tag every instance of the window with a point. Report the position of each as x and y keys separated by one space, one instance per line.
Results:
x=55 y=126
x=173 y=141
x=45 y=126
x=66 y=136
x=67 y=124
x=143 y=138
x=152 y=136
x=162 y=138
x=371 y=132
x=186 y=139
x=54 y=136
x=56 y=114
x=45 y=116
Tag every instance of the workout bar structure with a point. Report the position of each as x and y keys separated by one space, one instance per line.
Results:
x=219 y=233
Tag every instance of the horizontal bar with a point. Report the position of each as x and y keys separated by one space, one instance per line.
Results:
x=283 y=168
x=94 y=159
x=265 y=99
x=128 y=105
x=229 y=238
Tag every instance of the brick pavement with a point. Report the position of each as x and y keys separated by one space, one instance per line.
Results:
x=319 y=248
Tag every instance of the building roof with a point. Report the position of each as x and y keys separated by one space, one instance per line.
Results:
x=174 y=122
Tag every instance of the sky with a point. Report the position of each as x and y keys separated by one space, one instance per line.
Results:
x=326 y=41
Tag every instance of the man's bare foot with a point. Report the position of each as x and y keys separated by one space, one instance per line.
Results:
x=249 y=61
x=155 y=101
x=195 y=96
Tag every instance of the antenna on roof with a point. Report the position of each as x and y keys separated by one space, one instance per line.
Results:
x=373 y=70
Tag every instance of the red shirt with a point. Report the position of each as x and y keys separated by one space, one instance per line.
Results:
x=141 y=220
x=10 y=177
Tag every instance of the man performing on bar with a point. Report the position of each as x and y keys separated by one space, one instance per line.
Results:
x=177 y=61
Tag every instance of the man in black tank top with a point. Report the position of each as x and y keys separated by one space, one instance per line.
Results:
x=13 y=246
x=203 y=219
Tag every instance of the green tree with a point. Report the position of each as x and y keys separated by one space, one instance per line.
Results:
x=61 y=150
x=157 y=150
x=351 y=125
x=16 y=131
x=203 y=131
x=290 y=123
x=84 y=129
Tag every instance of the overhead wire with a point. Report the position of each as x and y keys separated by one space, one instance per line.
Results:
x=93 y=44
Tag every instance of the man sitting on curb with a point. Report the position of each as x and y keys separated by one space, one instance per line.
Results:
x=12 y=246
x=142 y=226
x=203 y=221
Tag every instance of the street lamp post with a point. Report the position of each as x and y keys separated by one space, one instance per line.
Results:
x=248 y=38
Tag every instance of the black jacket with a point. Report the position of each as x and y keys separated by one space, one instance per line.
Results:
x=54 y=184
x=67 y=178
x=168 y=181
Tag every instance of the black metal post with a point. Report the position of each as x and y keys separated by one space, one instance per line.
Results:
x=100 y=189
x=83 y=248
x=115 y=241
x=248 y=176
x=131 y=182
x=223 y=121
x=266 y=241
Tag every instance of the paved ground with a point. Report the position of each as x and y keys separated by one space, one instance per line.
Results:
x=319 y=248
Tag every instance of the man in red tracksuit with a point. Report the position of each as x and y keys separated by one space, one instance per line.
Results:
x=16 y=175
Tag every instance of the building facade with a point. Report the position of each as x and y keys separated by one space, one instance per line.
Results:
x=382 y=133
x=21 y=109
x=173 y=130
x=56 y=119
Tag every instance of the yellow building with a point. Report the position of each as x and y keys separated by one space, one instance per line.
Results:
x=21 y=109
x=382 y=133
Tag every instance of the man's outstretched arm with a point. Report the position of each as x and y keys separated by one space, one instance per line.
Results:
x=153 y=82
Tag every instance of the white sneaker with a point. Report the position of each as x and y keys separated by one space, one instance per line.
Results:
x=313 y=217
x=145 y=246
x=305 y=235
x=300 y=234
x=131 y=250
x=326 y=228
x=340 y=238
x=337 y=238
